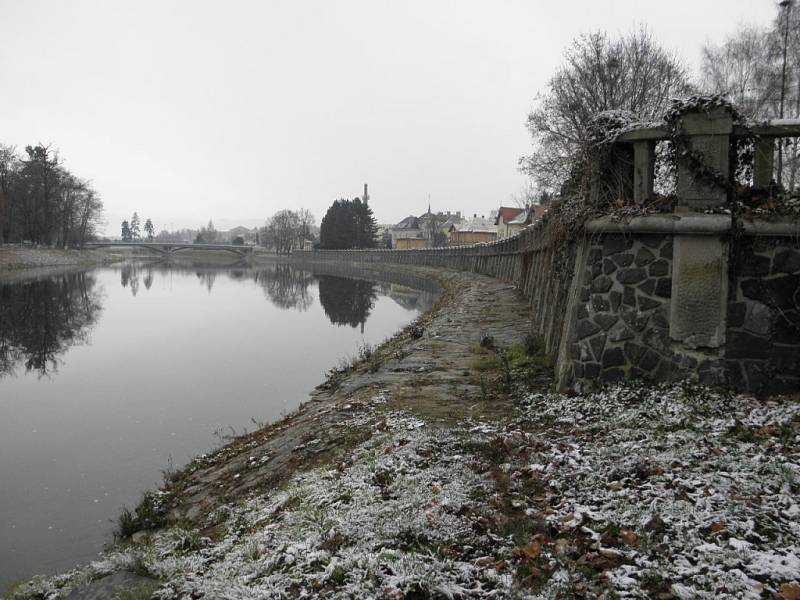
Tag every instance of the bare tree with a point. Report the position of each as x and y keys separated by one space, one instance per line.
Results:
x=632 y=73
x=743 y=68
x=283 y=229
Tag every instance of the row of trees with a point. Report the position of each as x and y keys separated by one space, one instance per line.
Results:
x=132 y=231
x=758 y=69
x=43 y=202
x=287 y=230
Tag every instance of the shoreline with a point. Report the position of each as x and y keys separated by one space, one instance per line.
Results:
x=441 y=464
x=19 y=261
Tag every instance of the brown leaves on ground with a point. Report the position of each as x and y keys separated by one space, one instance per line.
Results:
x=789 y=592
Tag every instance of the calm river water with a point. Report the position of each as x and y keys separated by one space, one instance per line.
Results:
x=109 y=376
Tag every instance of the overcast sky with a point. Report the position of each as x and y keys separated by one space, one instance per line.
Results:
x=185 y=111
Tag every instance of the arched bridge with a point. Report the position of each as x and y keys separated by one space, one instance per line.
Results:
x=170 y=248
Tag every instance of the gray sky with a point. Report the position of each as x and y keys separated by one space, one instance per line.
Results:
x=185 y=111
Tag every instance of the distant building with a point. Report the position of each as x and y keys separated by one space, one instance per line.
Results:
x=476 y=230
x=510 y=221
x=406 y=229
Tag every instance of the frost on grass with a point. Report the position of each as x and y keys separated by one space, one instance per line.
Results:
x=393 y=522
x=675 y=490
x=633 y=492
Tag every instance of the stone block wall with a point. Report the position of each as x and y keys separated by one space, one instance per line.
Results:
x=615 y=305
x=762 y=348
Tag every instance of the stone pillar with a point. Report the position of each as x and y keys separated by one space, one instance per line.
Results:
x=709 y=133
x=698 y=307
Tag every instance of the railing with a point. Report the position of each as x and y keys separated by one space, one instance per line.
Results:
x=711 y=133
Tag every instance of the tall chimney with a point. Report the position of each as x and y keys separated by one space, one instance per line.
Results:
x=366 y=195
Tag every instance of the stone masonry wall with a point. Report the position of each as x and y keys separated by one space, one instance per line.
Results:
x=763 y=331
x=525 y=260
x=613 y=321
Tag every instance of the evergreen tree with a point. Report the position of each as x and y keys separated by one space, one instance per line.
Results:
x=348 y=224
x=126 y=232
x=149 y=230
x=136 y=231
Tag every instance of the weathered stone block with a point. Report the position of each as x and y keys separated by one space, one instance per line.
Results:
x=608 y=266
x=634 y=352
x=758 y=319
x=585 y=328
x=631 y=276
x=787 y=327
x=616 y=243
x=667 y=250
x=591 y=370
x=615 y=298
x=658 y=268
x=652 y=241
x=786 y=261
x=584 y=293
x=613 y=357
x=595 y=256
x=666 y=371
x=736 y=313
x=664 y=287
x=646 y=303
x=660 y=319
x=699 y=291
x=605 y=320
x=741 y=344
x=599 y=303
x=613 y=375
x=648 y=286
x=644 y=257
x=629 y=296
x=634 y=319
x=601 y=284
x=598 y=344
x=758 y=373
x=620 y=332
x=784 y=292
x=752 y=265
x=649 y=360
x=786 y=359
x=623 y=260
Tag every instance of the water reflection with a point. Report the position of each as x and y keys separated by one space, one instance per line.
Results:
x=286 y=286
x=346 y=301
x=41 y=319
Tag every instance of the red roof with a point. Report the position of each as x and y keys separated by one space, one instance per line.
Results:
x=507 y=213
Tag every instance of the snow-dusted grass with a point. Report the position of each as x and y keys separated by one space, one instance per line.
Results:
x=667 y=491
x=690 y=493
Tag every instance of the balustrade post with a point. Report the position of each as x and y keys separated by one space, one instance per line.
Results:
x=764 y=161
x=644 y=162
x=708 y=135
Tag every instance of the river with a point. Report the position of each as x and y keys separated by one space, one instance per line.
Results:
x=110 y=376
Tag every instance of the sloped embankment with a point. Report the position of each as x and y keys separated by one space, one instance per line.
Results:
x=439 y=466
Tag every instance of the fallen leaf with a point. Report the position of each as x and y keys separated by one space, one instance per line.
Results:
x=789 y=592
x=629 y=536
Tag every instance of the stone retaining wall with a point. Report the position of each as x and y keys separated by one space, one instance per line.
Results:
x=659 y=298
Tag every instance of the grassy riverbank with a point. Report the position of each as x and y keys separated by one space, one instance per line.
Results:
x=440 y=465
x=16 y=259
